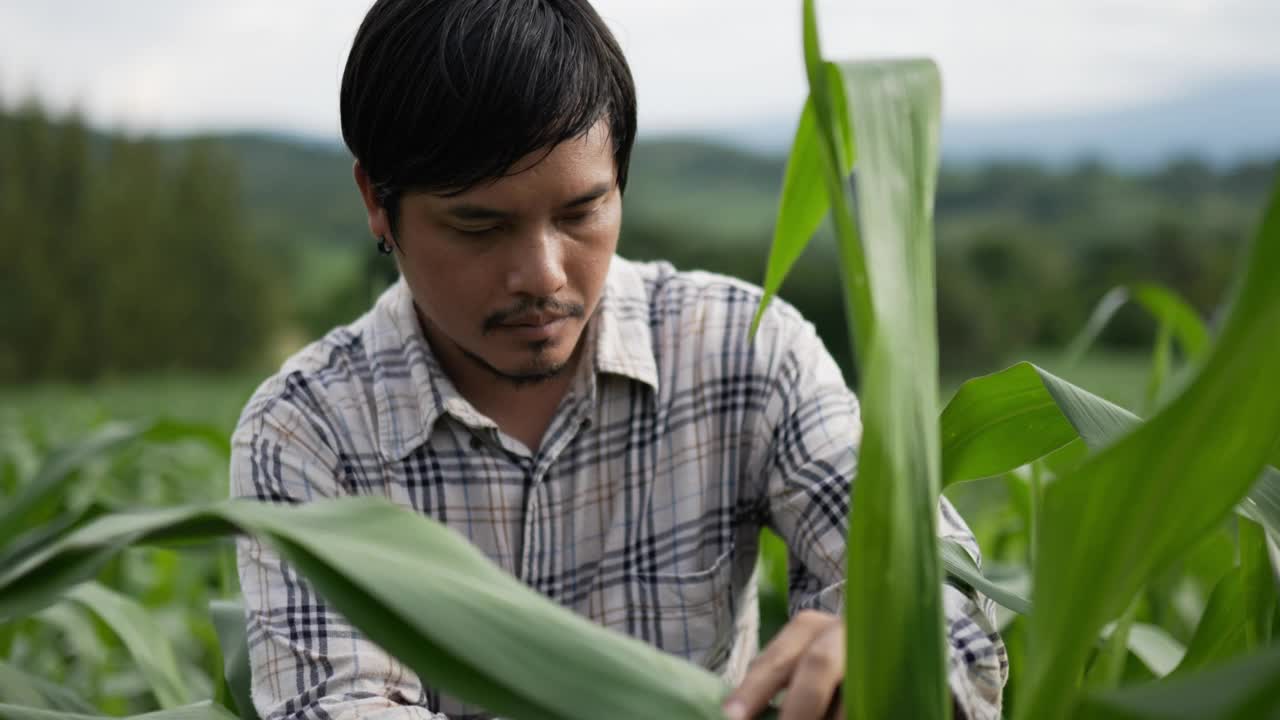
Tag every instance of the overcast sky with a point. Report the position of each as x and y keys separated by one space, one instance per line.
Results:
x=699 y=64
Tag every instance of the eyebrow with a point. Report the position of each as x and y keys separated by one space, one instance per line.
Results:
x=469 y=211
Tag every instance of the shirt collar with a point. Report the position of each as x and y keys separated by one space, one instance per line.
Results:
x=412 y=391
x=624 y=341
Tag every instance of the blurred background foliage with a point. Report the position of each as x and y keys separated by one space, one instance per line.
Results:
x=131 y=255
x=166 y=276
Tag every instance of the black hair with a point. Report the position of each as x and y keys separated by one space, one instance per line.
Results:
x=441 y=95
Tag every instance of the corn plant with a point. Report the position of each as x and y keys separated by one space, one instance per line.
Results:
x=1113 y=499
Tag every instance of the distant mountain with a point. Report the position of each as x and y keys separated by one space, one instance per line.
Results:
x=300 y=190
x=1221 y=122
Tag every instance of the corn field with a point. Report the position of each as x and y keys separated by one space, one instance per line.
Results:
x=1136 y=559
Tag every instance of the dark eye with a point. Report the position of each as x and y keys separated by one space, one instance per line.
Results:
x=579 y=217
x=476 y=232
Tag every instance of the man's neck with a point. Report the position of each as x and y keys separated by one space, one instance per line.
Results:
x=522 y=409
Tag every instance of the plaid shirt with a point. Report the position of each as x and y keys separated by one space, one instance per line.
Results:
x=677 y=442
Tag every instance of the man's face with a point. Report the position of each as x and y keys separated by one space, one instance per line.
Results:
x=506 y=274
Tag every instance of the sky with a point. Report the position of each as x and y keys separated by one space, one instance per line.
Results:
x=180 y=65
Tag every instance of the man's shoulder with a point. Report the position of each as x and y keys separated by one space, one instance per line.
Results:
x=677 y=296
x=699 y=327
x=313 y=379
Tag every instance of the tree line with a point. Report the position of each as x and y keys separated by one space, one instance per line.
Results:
x=130 y=255
x=122 y=255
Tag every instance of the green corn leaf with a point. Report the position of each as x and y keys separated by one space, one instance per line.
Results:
x=804 y=200
x=836 y=139
x=22 y=688
x=1066 y=458
x=146 y=642
x=422 y=592
x=1161 y=303
x=1108 y=664
x=1220 y=633
x=1259 y=584
x=1168 y=309
x=800 y=209
x=1098 y=422
x=199 y=711
x=46 y=533
x=960 y=566
x=1000 y=422
x=1156 y=648
x=1244 y=689
x=230 y=624
x=168 y=431
x=1263 y=503
x=1107 y=307
x=896 y=657
x=1160 y=364
x=897 y=647
x=1107 y=525
x=38 y=497
x=1005 y=420
x=48 y=486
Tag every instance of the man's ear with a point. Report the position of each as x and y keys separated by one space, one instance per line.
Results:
x=379 y=224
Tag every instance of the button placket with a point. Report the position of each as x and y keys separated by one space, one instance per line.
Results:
x=529 y=521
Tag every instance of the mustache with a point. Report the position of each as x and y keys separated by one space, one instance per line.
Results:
x=549 y=306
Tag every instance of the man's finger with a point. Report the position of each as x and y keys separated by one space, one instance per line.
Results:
x=769 y=672
x=818 y=675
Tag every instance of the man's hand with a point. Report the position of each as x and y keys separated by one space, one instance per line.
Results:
x=806 y=658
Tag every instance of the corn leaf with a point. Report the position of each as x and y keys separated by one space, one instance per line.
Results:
x=1002 y=421
x=801 y=207
x=49 y=484
x=230 y=623
x=1162 y=304
x=1107 y=306
x=1263 y=503
x=897 y=647
x=146 y=642
x=1156 y=648
x=199 y=711
x=1220 y=633
x=960 y=565
x=22 y=688
x=999 y=422
x=1108 y=664
x=41 y=495
x=1107 y=525
x=422 y=592
x=833 y=124
x=1259 y=584
x=46 y=533
x=1243 y=689
x=1099 y=422
x=1160 y=364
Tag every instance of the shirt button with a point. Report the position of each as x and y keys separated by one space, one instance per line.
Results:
x=476 y=444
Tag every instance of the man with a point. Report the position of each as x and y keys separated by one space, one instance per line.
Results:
x=602 y=429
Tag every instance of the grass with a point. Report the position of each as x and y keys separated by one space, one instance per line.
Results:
x=216 y=400
x=207 y=399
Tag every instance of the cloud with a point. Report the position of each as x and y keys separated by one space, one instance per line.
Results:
x=150 y=64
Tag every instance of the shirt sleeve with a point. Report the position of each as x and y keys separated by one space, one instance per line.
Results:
x=811 y=430
x=306 y=660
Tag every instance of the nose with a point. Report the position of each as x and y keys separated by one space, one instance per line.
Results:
x=536 y=267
